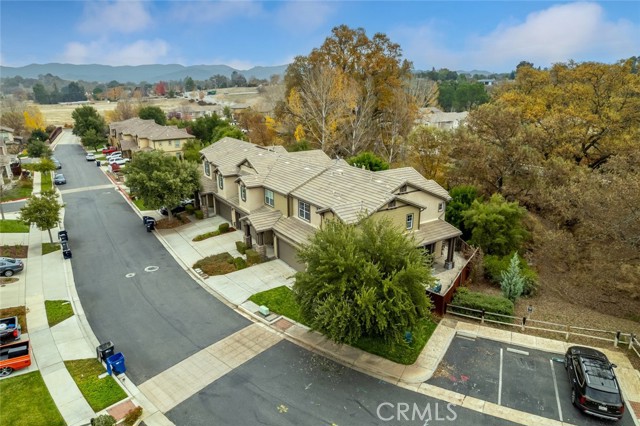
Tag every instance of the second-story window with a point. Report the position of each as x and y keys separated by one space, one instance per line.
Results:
x=220 y=181
x=207 y=168
x=176 y=144
x=410 y=221
x=268 y=197
x=440 y=207
x=304 y=211
x=243 y=192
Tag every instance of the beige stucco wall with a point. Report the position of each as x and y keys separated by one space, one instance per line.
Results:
x=424 y=199
x=316 y=219
x=279 y=203
x=327 y=216
x=169 y=145
x=398 y=215
x=255 y=198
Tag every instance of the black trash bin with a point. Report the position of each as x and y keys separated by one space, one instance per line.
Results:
x=98 y=163
x=145 y=219
x=105 y=350
x=151 y=225
x=66 y=250
x=63 y=236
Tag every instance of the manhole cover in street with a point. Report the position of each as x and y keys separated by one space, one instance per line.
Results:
x=151 y=268
x=130 y=275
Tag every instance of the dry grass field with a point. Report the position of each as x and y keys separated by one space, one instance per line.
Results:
x=61 y=114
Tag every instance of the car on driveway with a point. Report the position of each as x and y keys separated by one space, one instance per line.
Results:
x=90 y=157
x=114 y=155
x=9 y=266
x=594 y=386
x=108 y=150
x=59 y=179
x=119 y=161
x=179 y=208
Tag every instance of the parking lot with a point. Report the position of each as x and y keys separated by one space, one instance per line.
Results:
x=520 y=378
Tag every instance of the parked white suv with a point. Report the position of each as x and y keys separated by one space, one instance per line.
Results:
x=114 y=155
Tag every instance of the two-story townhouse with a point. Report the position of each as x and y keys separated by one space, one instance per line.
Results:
x=280 y=199
x=136 y=134
x=6 y=138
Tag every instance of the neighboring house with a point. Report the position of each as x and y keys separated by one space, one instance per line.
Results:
x=6 y=138
x=136 y=134
x=442 y=120
x=279 y=199
x=487 y=81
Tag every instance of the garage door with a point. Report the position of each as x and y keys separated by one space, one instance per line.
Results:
x=223 y=210
x=287 y=253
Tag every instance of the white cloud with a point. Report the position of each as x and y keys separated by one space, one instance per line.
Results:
x=215 y=11
x=304 y=16
x=140 y=52
x=121 y=16
x=578 y=31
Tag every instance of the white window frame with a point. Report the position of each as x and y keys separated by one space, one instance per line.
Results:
x=220 y=181
x=269 y=200
x=243 y=192
x=207 y=168
x=304 y=213
x=409 y=221
x=441 y=206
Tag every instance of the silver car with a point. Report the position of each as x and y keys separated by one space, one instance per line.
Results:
x=9 y=266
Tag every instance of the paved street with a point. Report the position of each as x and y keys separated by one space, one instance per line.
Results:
x=135 y=294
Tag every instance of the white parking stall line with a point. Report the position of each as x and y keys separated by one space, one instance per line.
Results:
x=518 y=351
x=555 y=386
x=500 y=378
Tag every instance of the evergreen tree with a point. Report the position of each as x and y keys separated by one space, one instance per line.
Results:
x=512 y=283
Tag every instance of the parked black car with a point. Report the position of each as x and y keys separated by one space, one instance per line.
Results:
x=9 y=266
x=594 y=387
x=59 y=179
x=179 y=208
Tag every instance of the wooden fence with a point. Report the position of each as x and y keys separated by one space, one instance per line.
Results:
x=615 y=337
x=440 y=301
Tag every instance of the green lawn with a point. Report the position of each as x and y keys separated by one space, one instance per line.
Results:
x=282 y=301
x=46 y=184
x=139 y=204
x=25 y=401
x=11 y=225
x=50 y=247
x=99 y=393
x=402 y=353
x=57 y=311
x=22 y=190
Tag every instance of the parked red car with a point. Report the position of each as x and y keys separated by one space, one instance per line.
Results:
x=108 y=150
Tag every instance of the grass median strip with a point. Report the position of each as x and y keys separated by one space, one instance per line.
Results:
x=46 y=182
x=57 y=311
x=25 y=401
x=99 y=393
x=281 y=300
x=50 y=248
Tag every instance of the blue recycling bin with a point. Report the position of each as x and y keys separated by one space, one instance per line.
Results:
x=115 y=364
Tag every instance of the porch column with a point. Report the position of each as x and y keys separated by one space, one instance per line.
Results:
x=260 y=247
x=451 y=247
x=247 y=235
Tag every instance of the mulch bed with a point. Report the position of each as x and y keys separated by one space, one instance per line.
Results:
x=172 y=223
x=14 y=251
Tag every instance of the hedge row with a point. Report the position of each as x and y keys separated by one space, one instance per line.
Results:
x=479 y=301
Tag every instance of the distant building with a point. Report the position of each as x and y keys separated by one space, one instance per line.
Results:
x=136 y=134
x=487 y=81
x=433 y=117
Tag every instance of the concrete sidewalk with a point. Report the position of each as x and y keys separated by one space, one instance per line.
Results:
x=235 y=288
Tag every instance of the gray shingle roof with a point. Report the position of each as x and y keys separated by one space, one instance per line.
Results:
x=228 y=153
x=350 y=191
x=149 y=129
x=435 y=230
x=294 y=229
x=263 y=219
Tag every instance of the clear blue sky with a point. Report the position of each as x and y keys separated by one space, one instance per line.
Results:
x=485 y=35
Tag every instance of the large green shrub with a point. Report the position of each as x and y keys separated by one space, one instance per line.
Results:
x=103 y=420
x=224 y=227
x=241 y=247
x=199 y=214
x=479 y=301
x=253 y=257
x=494 y=265
x=189 y=208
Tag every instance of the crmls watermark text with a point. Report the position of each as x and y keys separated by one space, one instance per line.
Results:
x=402 y=411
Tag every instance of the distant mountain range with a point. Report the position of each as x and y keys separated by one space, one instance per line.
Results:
x=136 y=74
